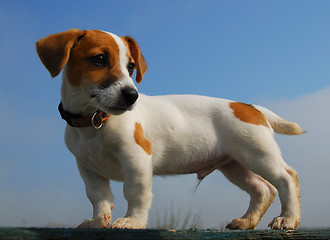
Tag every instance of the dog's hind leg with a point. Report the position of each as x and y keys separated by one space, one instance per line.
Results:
x=290 y=214
x=261 y=192
x=266 y=160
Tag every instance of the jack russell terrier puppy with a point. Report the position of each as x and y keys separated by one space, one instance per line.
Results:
x=116 y=133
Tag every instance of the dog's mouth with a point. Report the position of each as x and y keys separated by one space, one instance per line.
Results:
x=116 y=110
x=110 y=109
x=116 y=105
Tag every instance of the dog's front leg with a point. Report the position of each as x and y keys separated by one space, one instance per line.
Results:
x=137 y=192
x=98 y=192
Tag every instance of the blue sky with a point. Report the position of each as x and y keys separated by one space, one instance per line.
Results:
x=273 y=53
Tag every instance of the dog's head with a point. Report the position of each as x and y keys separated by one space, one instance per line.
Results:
x=98 y=65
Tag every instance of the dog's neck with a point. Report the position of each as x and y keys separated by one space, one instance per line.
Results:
x=74 y=108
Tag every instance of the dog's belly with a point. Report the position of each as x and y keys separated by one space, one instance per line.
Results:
x=187 y=137
x=203 y=169
x=201 y=166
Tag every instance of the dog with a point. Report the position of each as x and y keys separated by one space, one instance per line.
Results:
x=116 y=133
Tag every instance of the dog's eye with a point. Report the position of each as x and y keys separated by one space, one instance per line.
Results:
x=130 y=68
x=98 y=60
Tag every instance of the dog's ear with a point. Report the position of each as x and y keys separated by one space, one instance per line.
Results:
x=140 y=63
x=54 y=50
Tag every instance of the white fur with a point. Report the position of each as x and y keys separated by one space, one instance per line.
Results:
x=189 y=134
x=122 y=54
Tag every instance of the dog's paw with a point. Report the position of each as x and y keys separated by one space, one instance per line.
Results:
x=241 y=223
x=130 y=223
x=284 y=223
x=99 y=222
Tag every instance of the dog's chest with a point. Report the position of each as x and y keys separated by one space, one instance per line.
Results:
x=94 y=154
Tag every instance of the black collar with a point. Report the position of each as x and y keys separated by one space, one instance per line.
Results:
x=76 y=120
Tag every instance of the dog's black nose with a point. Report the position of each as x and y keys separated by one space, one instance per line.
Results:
x=130 y=95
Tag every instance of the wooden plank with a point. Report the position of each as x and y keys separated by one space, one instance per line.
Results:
x=91 y=234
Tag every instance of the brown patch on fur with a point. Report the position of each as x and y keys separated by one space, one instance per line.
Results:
x=74 y=48
x=141 y=65
x=80 y=67
x=247 y=113
x=54 y=50
x=141 y=140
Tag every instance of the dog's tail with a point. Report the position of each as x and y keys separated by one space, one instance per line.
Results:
x=279 y=124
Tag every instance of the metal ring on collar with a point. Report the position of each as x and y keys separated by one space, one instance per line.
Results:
x=96 y=122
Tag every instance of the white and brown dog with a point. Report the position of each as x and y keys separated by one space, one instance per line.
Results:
x=116 y=133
